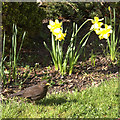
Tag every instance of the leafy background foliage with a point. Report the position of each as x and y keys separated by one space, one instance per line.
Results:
x=29 y=16
x=78 y=11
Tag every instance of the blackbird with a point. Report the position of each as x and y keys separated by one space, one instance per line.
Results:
x=35 y=92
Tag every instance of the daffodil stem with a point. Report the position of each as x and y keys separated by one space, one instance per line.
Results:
x=81 y=26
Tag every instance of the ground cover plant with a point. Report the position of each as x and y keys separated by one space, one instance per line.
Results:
x=82 y=67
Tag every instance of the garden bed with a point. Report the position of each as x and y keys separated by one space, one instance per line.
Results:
x=84 y=75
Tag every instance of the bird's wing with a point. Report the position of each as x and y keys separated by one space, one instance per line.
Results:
x=32 y=91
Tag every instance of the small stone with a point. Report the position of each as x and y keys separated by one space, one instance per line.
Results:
x=69 y=81
x=70 y=86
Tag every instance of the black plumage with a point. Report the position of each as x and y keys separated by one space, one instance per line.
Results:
x=35 y=92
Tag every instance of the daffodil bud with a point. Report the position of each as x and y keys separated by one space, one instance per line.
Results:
x=109 y=8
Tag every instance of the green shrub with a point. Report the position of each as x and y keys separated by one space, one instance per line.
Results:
x=78 y=10
x=27 y=16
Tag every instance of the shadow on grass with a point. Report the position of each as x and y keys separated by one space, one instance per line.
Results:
x=54 y=101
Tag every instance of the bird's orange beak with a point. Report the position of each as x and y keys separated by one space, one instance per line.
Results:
x=47 y=84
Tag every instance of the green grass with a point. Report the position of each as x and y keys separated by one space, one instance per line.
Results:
x=95 y=102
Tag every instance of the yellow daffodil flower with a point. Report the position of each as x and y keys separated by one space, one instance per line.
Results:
x=96 y=24
x=56 y=31
x=104 y=32
x=60 y=36
x=55 y=28
x=54 y=25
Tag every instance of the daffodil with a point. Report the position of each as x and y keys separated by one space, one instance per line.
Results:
x=55 y=28
x=60 y=36
x=96 y=19
x=96 y=24
x=54 y=25
x=56 y=31
x=104 y=32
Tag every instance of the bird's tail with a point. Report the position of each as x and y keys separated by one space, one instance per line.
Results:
x=16 y=94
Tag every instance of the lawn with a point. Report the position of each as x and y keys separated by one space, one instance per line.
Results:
x=94 y=102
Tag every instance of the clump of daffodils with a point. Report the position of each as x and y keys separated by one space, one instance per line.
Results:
x=56 y=29
x=102 y=32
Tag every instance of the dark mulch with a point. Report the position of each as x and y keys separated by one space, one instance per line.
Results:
x=84 y=75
